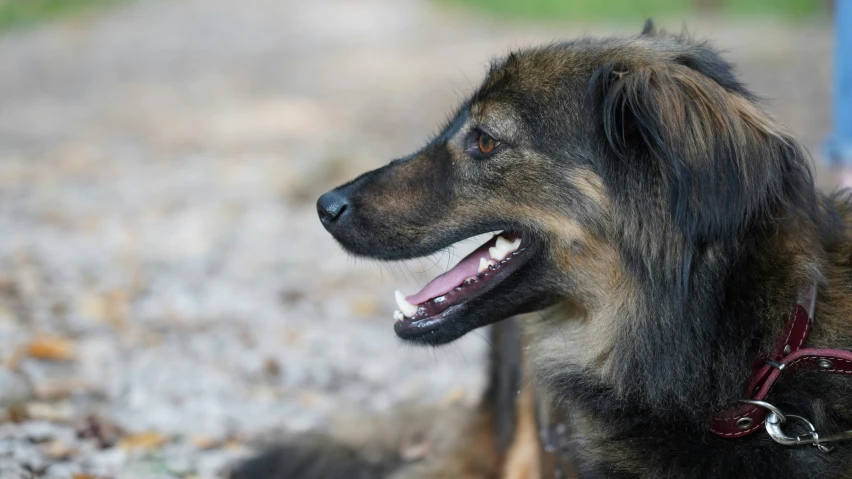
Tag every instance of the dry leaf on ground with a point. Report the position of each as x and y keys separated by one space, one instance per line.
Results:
x=145 y=440
x=53 y=349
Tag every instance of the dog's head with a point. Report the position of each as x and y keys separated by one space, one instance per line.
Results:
x=603 y=163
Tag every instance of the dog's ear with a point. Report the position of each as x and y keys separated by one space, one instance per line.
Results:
x=719 y=159
x=649 y=29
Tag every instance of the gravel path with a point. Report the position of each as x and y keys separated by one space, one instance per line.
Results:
x=167 y=296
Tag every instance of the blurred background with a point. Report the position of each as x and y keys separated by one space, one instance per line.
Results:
x=168 y=298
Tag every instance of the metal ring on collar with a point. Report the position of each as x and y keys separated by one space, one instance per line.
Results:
x=778 y=414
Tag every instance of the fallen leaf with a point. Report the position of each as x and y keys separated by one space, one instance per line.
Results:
x=53 y=349
x=235 y=446
x=17 y=413
x=145 y=440
x=205 y=442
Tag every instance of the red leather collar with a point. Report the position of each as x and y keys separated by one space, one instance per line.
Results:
x=787 y=358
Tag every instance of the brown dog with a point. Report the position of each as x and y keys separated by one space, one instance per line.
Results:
x=659 y=222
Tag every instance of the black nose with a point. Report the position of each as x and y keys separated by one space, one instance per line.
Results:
x=331 y=206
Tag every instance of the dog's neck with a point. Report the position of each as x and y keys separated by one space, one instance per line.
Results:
x=648 y=402
x=657 y=348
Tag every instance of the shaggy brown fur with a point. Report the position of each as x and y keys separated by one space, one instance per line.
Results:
x=667 y=224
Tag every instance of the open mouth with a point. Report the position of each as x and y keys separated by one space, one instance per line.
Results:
x=472 y=277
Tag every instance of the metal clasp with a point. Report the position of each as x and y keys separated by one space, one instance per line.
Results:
x=775 y=419
x=773 y=428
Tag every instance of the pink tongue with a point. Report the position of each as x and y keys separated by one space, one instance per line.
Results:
x=467 y=268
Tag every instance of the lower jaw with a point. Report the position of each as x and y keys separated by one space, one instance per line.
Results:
x=434 y=329
x=441 y=320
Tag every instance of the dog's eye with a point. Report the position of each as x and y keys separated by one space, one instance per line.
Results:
x=486 y=143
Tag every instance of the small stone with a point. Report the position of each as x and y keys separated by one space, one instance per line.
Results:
x=291 y=296
x=308 y=399
x=181 y=465
x=291 y=337
x=13 y=388
x=24 y=454
x=414 y=449
x=63 y=470
x=39 y=431
x=61 y=411
x=10 y=470
x=108 y=461
x=212 y=463
x=57 y=450
x=111 y=307
x=271 y=368
x=104 y=432
x=61 y=388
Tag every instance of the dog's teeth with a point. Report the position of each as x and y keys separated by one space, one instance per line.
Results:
x=507 y=245
x=397 y=315
x=503 y=243
x=503 y=247
x=483 y=264
x=405 y=307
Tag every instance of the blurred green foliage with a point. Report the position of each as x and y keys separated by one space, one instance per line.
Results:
x=14 y=13
x=625 y=9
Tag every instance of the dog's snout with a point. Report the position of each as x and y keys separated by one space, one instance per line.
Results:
x=332 y=206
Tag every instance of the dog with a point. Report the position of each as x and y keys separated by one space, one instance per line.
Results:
x=655 y=228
